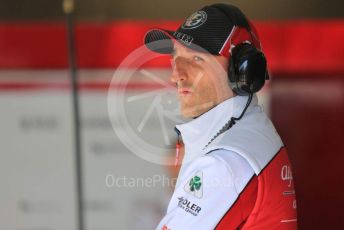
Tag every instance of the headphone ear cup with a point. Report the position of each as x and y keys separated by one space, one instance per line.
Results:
x=247 y=69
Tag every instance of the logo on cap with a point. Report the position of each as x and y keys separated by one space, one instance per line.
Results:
x=195 y=20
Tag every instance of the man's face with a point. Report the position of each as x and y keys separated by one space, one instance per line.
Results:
x=201 y=79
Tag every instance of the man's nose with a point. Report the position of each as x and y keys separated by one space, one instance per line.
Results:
x=179 y=67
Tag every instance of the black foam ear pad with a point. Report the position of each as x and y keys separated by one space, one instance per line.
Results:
x=247 y=69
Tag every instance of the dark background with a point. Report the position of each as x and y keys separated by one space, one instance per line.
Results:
x=103 y=10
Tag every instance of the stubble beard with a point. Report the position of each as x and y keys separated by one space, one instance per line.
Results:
x=195 y=109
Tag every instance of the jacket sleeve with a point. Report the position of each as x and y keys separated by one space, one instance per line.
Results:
x=209 y=188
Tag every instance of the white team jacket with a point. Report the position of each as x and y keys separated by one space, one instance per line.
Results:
x=212 y=178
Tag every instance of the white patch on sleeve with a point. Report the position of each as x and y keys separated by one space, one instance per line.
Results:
x=195 y=185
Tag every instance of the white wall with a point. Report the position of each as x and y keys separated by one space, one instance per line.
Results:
x=37 y=166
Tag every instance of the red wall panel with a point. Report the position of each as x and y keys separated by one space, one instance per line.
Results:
x=291 y=46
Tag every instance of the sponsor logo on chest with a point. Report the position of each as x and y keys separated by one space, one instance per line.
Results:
x=286 y=174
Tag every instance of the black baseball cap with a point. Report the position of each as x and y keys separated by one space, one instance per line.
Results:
x=214 y=29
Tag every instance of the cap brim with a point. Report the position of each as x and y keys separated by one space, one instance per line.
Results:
x=159 y=40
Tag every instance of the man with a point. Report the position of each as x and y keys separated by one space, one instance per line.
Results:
x=235 y=172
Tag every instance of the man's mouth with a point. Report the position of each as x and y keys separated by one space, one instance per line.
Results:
x=184 y=91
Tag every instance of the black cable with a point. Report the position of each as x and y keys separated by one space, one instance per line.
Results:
x=231 y=122
x=250 y=96
x=68 y=7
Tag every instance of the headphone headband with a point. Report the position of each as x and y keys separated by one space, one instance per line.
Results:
x=247 y=70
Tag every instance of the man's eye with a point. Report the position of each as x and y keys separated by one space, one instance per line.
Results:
x=198 y=58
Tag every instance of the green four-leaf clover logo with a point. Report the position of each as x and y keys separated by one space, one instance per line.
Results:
x=195 y=183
